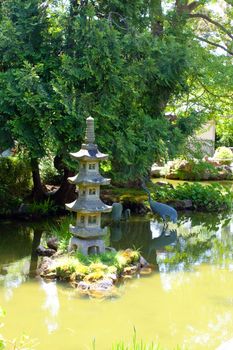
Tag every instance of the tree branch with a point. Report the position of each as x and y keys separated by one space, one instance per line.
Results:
x=214 y=44
x=207 y=18
x=184 y=8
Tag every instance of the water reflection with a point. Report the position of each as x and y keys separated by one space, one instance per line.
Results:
x=153 y=305
x=51 y=304
x=196 y=239
x=18 y=258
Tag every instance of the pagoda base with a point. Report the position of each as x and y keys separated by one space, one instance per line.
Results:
x=87 y=246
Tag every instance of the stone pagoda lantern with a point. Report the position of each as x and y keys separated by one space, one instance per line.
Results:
x=87 y=232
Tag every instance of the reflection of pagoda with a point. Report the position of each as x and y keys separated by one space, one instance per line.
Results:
x=87 y=232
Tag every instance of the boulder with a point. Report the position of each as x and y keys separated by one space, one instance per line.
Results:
x=181 y=204
x=42 y=251
x=52 y=243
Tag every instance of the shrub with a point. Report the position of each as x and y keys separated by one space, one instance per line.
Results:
x=15 y=174
x=191 y=170
x=49 y=174
x=223 y=155
x=15 y=183
x=212 y=197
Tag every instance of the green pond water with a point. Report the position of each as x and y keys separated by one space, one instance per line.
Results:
x=188 y=300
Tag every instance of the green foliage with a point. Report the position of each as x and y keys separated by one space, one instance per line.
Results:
x=49 y=174
x=15 y=183
x=124 y=77
x=136 y=344
x=42 y=208
x=212 y=197
x=224 y=130
x=61 y=231
x=192 y=170
x=223 y=155
x=93 y=267
x=15 y=174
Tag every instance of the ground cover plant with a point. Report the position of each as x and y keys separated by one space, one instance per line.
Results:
x=213 y=197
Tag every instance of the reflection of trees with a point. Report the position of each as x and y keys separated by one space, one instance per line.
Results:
x=200 y=238
x=15 y=242
x=134 y=233
x=138 y=233
x=15 y=274
x=18 y=259
x=199 y=244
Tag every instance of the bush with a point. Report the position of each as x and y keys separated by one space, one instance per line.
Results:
x=15 y=174
x=212 y=197
x=15 y=183
x=49 y=174
x=191 y=170
x=223 y=155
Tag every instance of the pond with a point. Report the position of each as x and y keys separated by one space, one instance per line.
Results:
x=187 y=300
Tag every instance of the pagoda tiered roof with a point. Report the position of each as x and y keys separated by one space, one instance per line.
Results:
x=89 y=179
x=89 y=152
x=89 y=232
x=82 y=205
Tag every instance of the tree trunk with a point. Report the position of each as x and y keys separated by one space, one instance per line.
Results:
x=66 y=192
x=156 y=17
x=38 y=192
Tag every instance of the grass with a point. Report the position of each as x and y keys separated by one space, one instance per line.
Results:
x=136 y=344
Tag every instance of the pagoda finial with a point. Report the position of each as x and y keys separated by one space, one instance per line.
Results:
x=90 y=130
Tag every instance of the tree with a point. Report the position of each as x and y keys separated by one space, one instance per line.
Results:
x=124 y=63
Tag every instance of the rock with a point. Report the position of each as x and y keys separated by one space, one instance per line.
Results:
x=117 y=209
x=110 y=249
x=181 y=204
x=143 y=262
x=156 y=170
x=112 y=276
x=83 y=285
x=129 y=270
x=52 y=243
x=24 y=208
x=42 y=251
x=102 y=285
x=163 y=184
x=145 y=271
x=44 y=266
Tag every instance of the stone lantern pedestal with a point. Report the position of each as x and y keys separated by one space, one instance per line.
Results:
x=87 y=232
